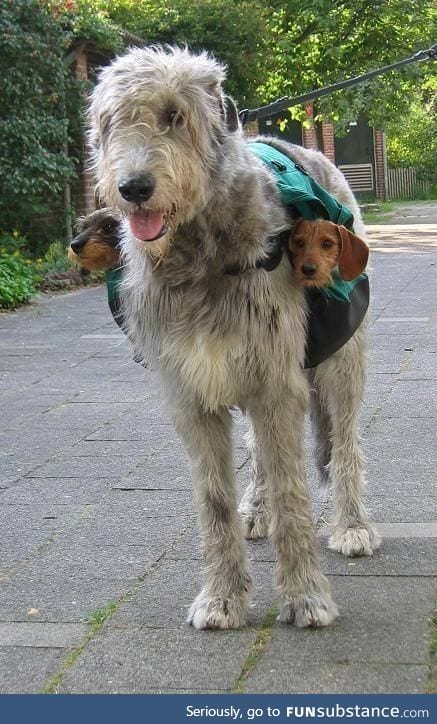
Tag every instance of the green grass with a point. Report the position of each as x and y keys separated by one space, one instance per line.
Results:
x=432 y=679
x=386 y=207
x=264 y=634
x=96 y=620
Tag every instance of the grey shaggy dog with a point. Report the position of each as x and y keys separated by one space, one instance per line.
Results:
x=169 y=153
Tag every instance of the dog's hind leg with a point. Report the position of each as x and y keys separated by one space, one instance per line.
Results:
x=322 y=430
x=223 y=601
x=340 y=381
x=253 y=509
x=305 y=598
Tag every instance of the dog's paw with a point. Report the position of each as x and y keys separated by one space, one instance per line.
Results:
x=217 y=612
x=353 y=542
x=311 y=610
x=255 y=523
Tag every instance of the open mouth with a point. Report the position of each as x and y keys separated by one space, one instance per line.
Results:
x=149 y=225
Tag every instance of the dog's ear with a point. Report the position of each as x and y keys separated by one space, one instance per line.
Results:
x=354 y=254
x=230 y=113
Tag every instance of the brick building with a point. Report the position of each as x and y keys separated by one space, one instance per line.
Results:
x=360 y=154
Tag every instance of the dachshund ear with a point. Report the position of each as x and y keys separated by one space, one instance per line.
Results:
x=230 y=114
x=354 y=254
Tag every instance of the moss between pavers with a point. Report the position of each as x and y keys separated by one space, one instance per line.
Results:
x=432 y=680
x=96 y=620
x=99 y=616
x=264 y=634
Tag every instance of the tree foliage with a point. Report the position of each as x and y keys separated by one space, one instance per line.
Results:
x=33 y=127
x=272 y=49
x=313 y=43
x=233 y=31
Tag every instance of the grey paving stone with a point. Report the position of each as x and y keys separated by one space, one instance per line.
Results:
x=67 y=598
x=68 y=466
x=379 y=623
x=41 y=635
x=153 y=431
x=136 y=451
x=408 y=530
x=163 y=599
x=130 y=526
x=142 y=505
x=26 y=670
x=49 y=492
x=85 y=414
x=310 y=677
x=399 y=508
x=403 y=450
x=138 y=659
x=387 y=361
x=156 y=474
x=422 y=361
x=39 y=523
x=70 y=564
x=412 y=399
x=396 y=557
x=83 y=561
x=108 y=392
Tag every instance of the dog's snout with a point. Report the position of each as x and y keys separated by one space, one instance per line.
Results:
x=78 y=243
x=137 y=188
x=309 y=269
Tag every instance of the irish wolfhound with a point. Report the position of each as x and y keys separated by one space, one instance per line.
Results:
x=202 y=211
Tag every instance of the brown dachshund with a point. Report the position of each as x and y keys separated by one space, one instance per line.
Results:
x=317 y=247
x=96 y=246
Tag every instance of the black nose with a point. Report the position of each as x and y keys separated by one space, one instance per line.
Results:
x=309 y=269
x=78 y=243
x=137 y=188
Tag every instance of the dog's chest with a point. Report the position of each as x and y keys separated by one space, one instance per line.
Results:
x=239 y=349
x=212 y=368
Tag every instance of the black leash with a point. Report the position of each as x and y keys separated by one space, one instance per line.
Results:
x=247 y=116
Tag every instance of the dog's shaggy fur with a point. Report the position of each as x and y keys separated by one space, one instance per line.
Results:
x=159 y=116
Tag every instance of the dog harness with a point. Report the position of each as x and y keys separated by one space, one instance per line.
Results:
x=335 y=311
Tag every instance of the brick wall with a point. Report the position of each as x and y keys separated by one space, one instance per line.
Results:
x=310 y=134
x=83 y=198
x=328 y=143
x=380 y=164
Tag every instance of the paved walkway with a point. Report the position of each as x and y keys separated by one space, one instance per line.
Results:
x=99 y=556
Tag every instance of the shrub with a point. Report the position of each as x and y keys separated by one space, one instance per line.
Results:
x=17 y=280
x=34 y=127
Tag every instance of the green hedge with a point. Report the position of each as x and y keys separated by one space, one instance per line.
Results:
x=17 y=280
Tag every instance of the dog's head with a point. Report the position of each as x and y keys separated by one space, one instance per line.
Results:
x=96 y=246
x=317 y=247
x=159 y=119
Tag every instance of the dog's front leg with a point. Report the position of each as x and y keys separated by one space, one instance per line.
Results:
x=223 y=601
x=305 y=598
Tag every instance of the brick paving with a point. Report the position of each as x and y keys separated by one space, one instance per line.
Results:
x=99 y=553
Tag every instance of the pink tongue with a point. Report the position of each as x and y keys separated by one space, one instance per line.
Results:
x=146 y=226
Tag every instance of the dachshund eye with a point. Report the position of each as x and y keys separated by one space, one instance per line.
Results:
x=327 y=243
x=109 y=227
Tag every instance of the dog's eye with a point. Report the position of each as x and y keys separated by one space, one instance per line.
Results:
x=109 y=227
x=174 y=118
x=327 y=243
x=299 y=243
